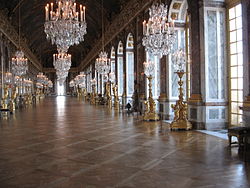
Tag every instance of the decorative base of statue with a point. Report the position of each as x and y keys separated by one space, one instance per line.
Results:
x=181 y=124
x=151 y=117
x=12 y=107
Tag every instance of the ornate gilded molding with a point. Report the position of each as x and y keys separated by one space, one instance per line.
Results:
x=128 y=14
x=9 y=31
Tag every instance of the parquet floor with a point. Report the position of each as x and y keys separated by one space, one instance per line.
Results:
x=64 y=143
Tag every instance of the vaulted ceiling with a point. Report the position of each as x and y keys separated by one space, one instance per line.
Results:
x=32 y=25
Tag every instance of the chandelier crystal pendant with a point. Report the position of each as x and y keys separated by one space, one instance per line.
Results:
x=158 y=33
x=64 y=25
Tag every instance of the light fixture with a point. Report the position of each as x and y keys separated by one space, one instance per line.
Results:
x=19 y=62
x=158 y=33
x=62 y=63
x=8 y=78
x=64 y=25
x=150 y=113
x=112 y=77
x=179 y=60
x=102 y=64
x=180 y=107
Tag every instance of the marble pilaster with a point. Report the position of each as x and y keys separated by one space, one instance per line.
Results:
x=246 y=61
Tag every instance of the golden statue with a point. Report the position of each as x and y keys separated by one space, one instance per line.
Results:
x=13 y=99
x=108 y=95
x=180 y=109
x=4 y=101
x=93 y=95
x=150 y=114
x=85 y=94
x=116 y=98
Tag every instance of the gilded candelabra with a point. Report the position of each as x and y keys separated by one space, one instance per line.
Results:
x=150 y=114
x=108 y=95
x=13 y=100
x=116 y=99
x=93 y=94
x=85 y=94
x=79 y=92
x=4 y=101
x=180 y=108
x=38 y=94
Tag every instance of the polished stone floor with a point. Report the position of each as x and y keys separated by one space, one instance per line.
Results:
x=65 y=143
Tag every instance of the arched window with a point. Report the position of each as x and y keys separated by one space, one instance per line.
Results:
x=112 y=66
x=112 y=59
x=1 y=71
x=89 y=77
x=130 y=66
x=120 y=68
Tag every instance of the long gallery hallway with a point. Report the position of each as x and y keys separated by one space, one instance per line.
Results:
x=63 y=142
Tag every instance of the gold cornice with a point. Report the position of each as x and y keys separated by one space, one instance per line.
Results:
x=196 y=98
x=9 y=31
x=130 y=11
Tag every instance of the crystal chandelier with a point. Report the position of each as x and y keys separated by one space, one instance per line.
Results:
x=27 y=83
x=179 y=60
x=39 y=85
x=19 y=62
x=93 y=82
x=79 y=80
x=8 y=78
x=102 y=64
x=50 y=84
x=64 y=25
x=159 y=35
x=40 y=77
x=43 y=81
x=62 y=63
x=72 y=83
x=112 y=77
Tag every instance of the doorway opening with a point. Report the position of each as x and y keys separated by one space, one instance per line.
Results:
x=60 y=89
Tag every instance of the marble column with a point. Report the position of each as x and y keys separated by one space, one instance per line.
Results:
x=195 y=100
x=163 y=98
x=140 y=58
x=208 y=100
x=124 y=98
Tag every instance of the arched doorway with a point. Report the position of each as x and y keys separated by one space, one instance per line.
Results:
x=60 y=89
